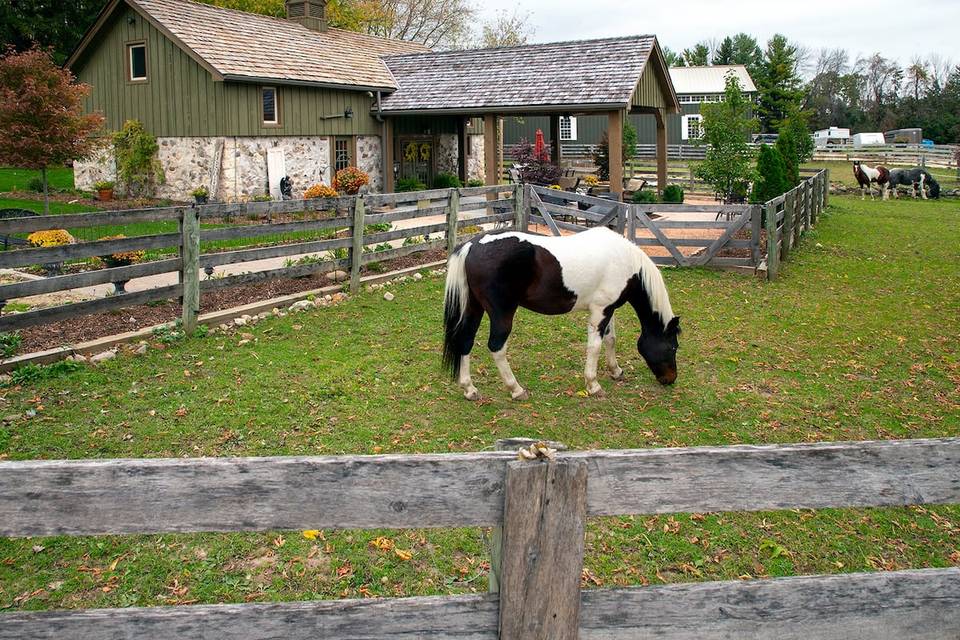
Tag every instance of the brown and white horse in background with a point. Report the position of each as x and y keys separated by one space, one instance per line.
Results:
x=867 y=175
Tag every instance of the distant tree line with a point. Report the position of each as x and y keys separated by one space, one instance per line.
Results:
x=871 y=93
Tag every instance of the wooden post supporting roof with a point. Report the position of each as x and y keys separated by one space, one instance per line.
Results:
x=388 y=155
x=661 y=150
x=491 y=170
x=555 y=154
x=615 y=139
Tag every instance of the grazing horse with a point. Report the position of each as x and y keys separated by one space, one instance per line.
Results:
x=916 y=178
x=596 y=270
x=867 y=175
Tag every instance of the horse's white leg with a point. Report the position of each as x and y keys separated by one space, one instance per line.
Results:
x=516 y=391
x=469 y=391
x=923 y=192
x=863 y=193
x=610 y=348
x=884 y=189
x=594 y=343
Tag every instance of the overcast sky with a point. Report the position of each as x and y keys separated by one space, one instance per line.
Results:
x=896 y=28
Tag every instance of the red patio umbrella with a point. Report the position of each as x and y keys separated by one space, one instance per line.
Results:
x=539 y=146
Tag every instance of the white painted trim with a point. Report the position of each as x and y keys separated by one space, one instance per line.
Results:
x=573 y=128
x=130 y=48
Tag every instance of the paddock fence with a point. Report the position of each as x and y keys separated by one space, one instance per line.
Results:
x=314 y=236
x=940 y=156
x=718 y=235
x=538 y=512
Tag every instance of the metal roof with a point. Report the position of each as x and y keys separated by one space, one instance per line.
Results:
x=695 y=80
x=577 y=75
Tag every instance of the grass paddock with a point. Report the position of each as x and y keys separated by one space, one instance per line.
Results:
x=856 y=340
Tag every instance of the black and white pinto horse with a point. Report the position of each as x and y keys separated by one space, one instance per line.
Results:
x=867 y=175
x=917 y=179
x=596 y=270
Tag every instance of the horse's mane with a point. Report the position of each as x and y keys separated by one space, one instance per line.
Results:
x=654 y=285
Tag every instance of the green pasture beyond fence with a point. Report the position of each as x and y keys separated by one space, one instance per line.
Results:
x=341 y=229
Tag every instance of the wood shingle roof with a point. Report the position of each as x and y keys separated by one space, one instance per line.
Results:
x=580 y=75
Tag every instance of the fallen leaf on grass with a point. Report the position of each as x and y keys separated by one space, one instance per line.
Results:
x=381 y=543
x=403 y=555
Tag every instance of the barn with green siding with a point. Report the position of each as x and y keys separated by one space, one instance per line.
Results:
x=238 y=101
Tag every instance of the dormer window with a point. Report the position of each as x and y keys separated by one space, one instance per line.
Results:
x=270 y=108
x=137 y=61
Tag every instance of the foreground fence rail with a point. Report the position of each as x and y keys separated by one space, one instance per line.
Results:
x=541 y=508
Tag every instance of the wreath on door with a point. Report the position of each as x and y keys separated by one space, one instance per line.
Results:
x=425 y=151
x=410 y=152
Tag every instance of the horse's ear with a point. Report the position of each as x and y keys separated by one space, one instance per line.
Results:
x=673 y=327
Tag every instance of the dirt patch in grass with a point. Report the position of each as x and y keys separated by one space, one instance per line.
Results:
x=91 y=327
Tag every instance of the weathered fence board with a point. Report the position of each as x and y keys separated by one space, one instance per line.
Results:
x=51 y=314
x=293 y=271
x=275 y=251
x=408 y=213
x=545 y=516
x=667 y=243
x=472 y=617
x=275 y=228
x=24 y=257
x=902 y=605
x=87 y=279
x=250 y=494
x=93 y=219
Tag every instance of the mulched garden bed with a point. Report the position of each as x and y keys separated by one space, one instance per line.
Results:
x=91 y=327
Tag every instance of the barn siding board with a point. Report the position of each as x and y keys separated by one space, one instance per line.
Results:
x=181 y=98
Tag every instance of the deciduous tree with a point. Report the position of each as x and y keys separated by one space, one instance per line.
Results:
x=42 y=122
x=727 y=126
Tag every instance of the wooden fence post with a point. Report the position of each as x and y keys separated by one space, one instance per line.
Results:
x=631 y=210
x=544 y=513
x=789 y=210
x=453 y=215
x=519 y=207
x=826 y=191
x=812 y=212
x=755 y=226
x=190 y=267
x=356 y=250
x=773 y=252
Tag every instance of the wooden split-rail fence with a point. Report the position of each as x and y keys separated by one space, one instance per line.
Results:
x=346 y=221
x=538 y=511
x=728 y=236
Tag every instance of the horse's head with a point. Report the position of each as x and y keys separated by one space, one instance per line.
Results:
x=658 y=347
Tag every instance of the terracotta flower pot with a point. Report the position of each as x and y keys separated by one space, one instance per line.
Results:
x=105 y=194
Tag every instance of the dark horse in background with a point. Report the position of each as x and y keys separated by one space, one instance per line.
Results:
x=597 y=271
x=917 y=179
x=867 y=175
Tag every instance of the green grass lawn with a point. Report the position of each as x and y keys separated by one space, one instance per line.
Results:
x=19 y=179
x=856 y=340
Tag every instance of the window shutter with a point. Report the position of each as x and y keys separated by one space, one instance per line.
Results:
x=685 y=128
x=573 y=128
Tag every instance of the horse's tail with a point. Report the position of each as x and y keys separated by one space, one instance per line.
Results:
x=456 y=298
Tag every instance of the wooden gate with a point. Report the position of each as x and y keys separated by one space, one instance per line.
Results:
x=690 y=235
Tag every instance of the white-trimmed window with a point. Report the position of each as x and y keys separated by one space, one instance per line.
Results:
x=137 y=62
x=692 y=127
x=270 y=108
x=568 y=128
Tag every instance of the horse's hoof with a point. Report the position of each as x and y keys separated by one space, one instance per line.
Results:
x=522 y=396
x=472 y=395
x=598 y=392
x=617 y=375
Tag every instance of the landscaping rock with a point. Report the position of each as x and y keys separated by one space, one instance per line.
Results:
x=246 y=336
x=418 y=276
x=240 y=322
x=338 y=297
x=77 y=358
x=337 y=276
x=302 y=305
x=104 y=356
x=388 y=296
x=243 y=342
x=142 y=349
x=224 y=327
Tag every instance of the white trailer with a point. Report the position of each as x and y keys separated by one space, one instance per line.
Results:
x=830 y=137
x=861 y=140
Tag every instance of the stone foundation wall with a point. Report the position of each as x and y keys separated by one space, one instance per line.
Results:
x=370 y=159
x=475 y=160
x=448 y=153
x=189 y=163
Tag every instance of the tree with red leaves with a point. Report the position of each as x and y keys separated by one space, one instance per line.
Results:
x=42 y=122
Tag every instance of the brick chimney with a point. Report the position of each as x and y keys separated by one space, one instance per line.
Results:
x=310 y=13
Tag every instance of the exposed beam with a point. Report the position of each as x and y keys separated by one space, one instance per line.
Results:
x=615 y=140
x=490 y=168
x=661 y=151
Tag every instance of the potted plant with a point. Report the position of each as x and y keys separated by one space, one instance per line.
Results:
x=349 y=180
x=51 y=238
x=104 y=189
x=201 y=195
x=120 y=259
